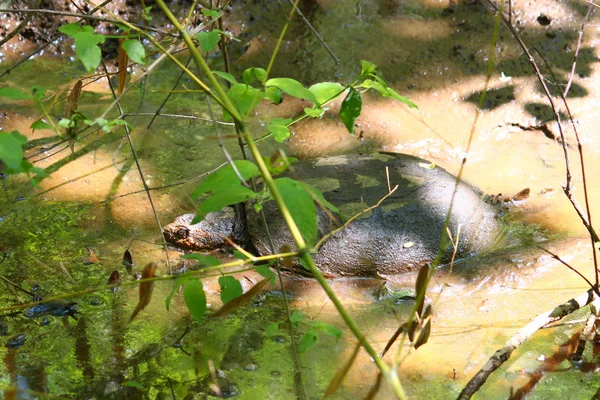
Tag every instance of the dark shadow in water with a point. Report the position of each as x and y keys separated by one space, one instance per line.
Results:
x=494 y=98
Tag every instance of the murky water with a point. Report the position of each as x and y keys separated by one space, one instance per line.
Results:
x=435 y=57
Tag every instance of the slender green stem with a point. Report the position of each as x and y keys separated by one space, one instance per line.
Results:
x=283 y=31
x=47 y=115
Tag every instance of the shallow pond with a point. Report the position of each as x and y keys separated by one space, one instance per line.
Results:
x=433 y=54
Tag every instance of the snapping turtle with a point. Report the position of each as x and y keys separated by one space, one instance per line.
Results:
x=401 y=235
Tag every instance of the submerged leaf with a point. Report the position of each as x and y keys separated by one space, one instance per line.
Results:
x=145 y=289
x=241 y=300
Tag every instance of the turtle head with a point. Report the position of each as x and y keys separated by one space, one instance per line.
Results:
x=209 y=234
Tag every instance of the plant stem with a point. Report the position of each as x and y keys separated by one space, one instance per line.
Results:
x=303 y=250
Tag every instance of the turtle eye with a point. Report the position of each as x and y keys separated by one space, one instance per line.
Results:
x=183 y=232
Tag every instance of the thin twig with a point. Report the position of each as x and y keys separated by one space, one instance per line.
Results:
x=355 y=216
x=556 y=257
x=139 y=168
x=167 y=186
x=521 y=336
x=579 y=39
x=19 y=27
x=314 y=31
x=42 y=47
x=34 y=10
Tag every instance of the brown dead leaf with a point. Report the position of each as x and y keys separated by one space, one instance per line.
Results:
x=114 y=279
x=341 y=374
x=122 y=63
x=128 y=261
x=522 y=195
x=424 y=335
x=242 y=300
x=145 y=289
x=92 y=258
x=73 y=99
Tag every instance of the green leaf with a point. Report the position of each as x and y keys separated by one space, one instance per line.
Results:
x=308 y=340
x=350 y=109
x=265 y=271
x=367 y=67
x=231 y=288
x=178 y=282
x=208 y=261
x=13 y=94
x=326 y=328
x=300 y=204
x=146 y=13
x=211 y=13
x=251 y=74
x=314 y=112
x=293 y=88
x=278 y=128
x=39 y=124
x=195 y=299
x=274 y=94
x=272 y=329
x=135 y=51
x=11 y=152
x=318 y=197
x=227 y=76
x=71 y=29
x=386 y=91
x=66 y=123
x=86 y=48
x=244 y=97
x=220 y=199
x=325 y=91
x=226 y=177
x=296 y=317
x=208 y=40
